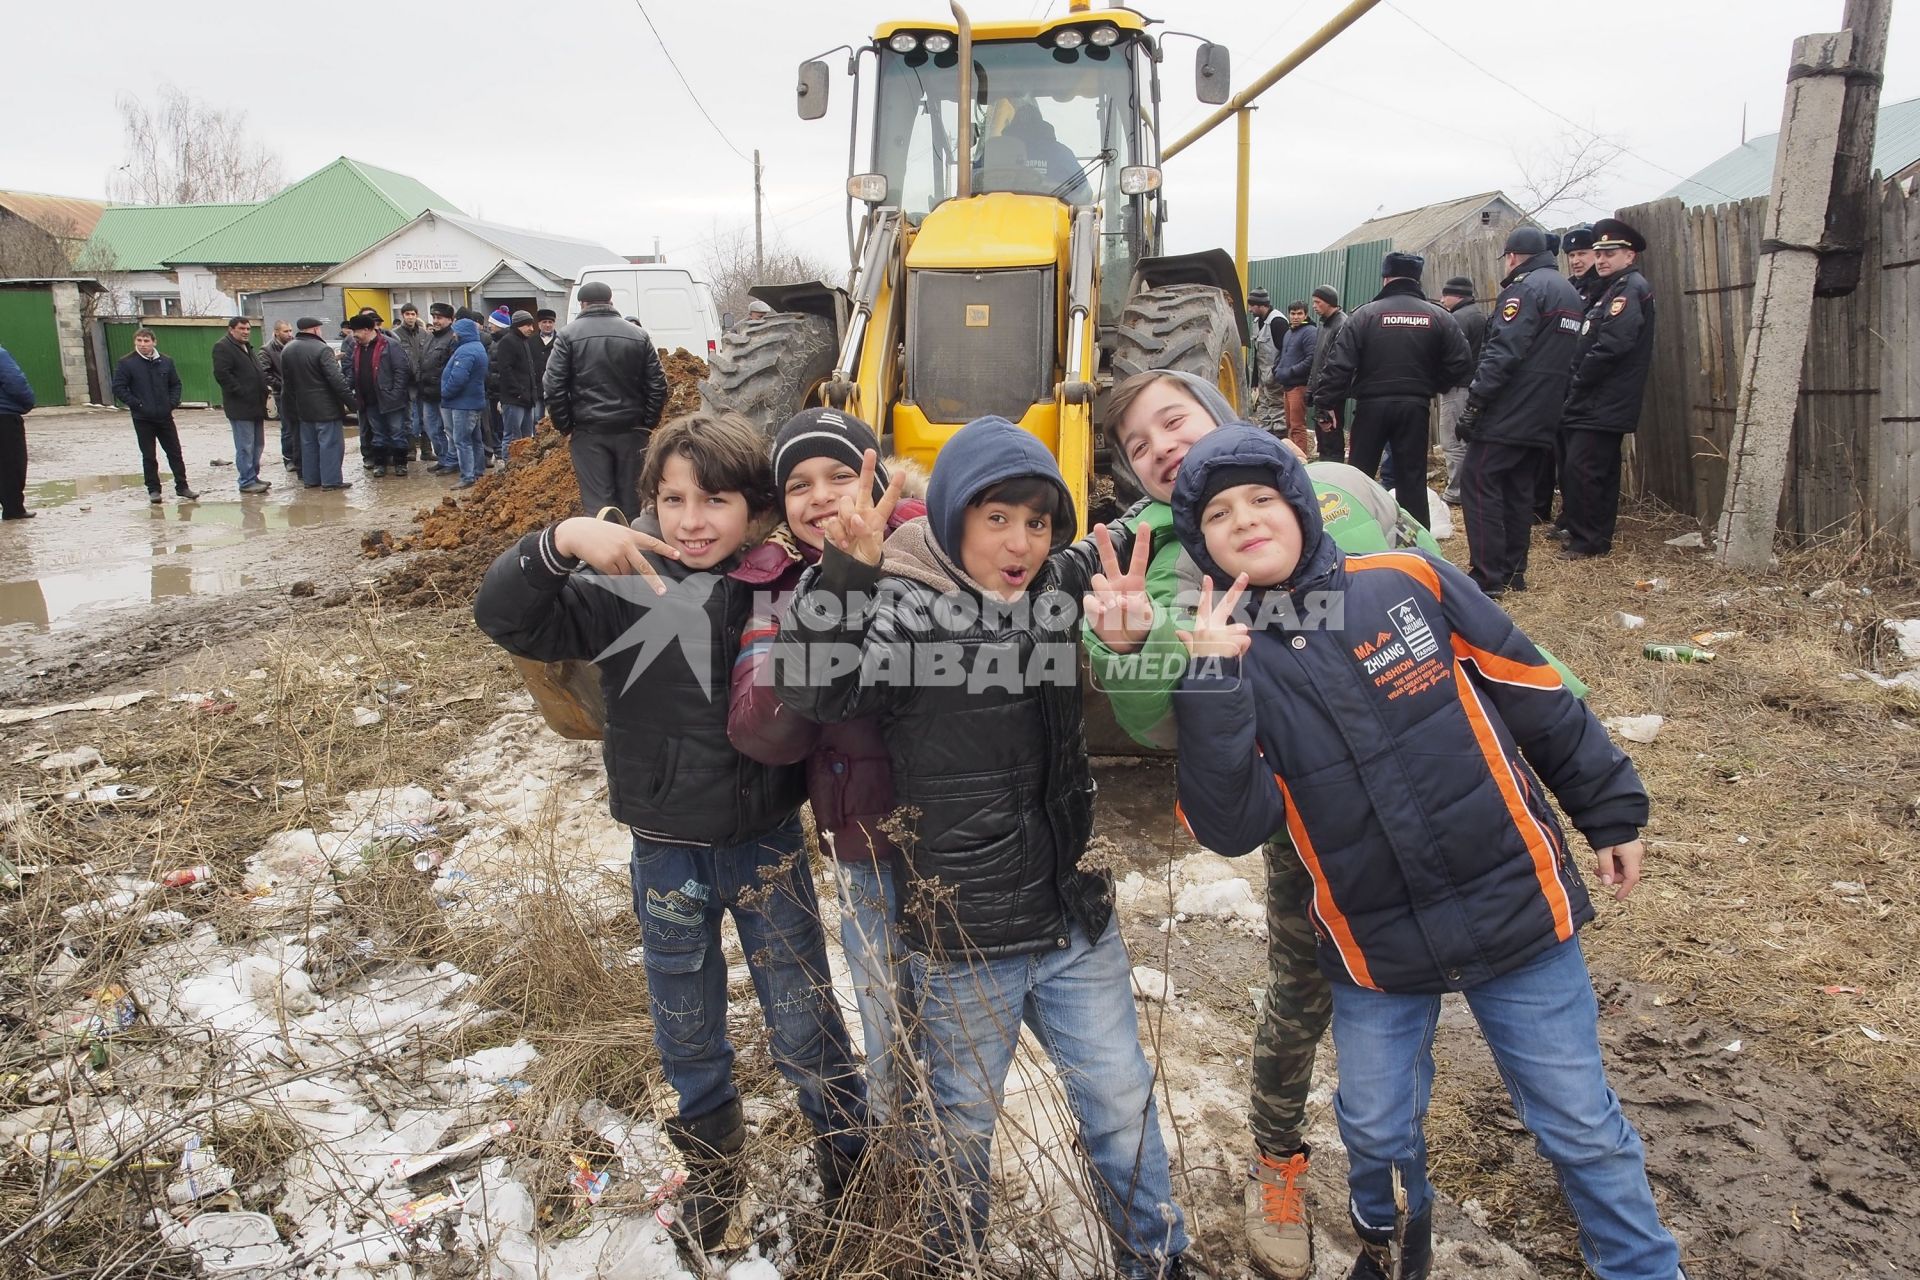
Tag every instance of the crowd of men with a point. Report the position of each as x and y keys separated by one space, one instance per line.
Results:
x=1534 y=393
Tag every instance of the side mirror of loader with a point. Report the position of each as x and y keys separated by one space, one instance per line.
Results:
x=812 y=91
x=1212 y=75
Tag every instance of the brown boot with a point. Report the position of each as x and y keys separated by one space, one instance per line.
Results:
x=1279 y=1224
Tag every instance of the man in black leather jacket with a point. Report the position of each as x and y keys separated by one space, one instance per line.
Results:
x=605 y=391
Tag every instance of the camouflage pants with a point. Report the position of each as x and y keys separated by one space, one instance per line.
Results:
x=1298 y=1007
x=1270 y=410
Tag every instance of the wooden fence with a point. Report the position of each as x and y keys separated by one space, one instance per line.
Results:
x=1856 y=439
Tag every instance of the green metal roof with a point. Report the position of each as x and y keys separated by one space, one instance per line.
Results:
x=1747 y=170
x=137 y=237
x=323 y=219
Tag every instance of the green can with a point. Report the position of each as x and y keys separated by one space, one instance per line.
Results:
x=1676 y=652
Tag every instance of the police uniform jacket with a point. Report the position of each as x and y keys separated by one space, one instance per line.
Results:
x=1611 y=360
x=1520 y=387
x=1408 y=752
x=1400 y=346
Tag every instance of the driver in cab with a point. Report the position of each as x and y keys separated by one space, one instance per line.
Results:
x=1050 y=167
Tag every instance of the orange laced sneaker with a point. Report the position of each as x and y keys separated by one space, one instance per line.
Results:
x=1279 y=1223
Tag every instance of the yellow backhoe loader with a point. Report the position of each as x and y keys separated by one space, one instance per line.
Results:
x=1008 y=260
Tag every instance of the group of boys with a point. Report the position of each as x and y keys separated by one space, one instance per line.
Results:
x=911 y=668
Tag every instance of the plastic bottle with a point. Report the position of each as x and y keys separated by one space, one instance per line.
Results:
x=1676 y=653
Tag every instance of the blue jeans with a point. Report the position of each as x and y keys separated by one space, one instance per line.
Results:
x=882 y=983
x=1542 y=1023
x=1079 y=1002
x=289 y=439
x=387 y=429
x=249 y=442
x=679 y=893
x=516 y=424
x=416 y=417
x=439 y=422
x=466 y=440
x=322 y=445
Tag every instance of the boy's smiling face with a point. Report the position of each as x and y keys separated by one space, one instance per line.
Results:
x=1251 y=529
x=705 y=527
x=813 y=493
x=1162 y=424
x=1003 y=545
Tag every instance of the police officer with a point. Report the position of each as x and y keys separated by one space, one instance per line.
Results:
x=1393 y=355
x=1513 y=407
x=1578 y=242
x=1609 y=373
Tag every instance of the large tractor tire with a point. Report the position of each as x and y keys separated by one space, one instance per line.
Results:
x=1189 y=327
x=769 y=369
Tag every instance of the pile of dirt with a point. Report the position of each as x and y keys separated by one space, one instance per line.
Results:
x=461 y=536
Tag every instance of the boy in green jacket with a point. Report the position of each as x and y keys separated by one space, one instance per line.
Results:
x=1153 y=419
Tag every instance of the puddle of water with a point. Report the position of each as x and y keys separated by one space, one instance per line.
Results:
x=55 y=600
x=54 y=493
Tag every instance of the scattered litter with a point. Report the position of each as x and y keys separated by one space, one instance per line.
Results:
x=1843 y=991
x=201 y=1175
x=76 y=759
x=1628 y=621
x=1878 y=1037
x=416 y=1213
x=1849 y=886
x=1151 y=984
x=1827 y=590
x=428 y=860
x=117 y=905
x=1676 y=652
x=1651 y=584
x=1905 y=680
x=1906 y=633
x=1734 y=1046
x=105 y=702
x=116 y=793
x=364 y=717
x=406 y=1167
x=1635 y=728
x=1441 y=519
x=291 y=784
x=200 y=876
x=230 y=1244
x=112 y=1011
x=589 y=1184
x=1711 y=638
x=1688 y=540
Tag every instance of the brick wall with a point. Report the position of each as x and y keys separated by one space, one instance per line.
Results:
x=73 y=340
x=235 y=281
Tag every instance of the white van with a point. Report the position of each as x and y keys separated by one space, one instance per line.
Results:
x=675 y=307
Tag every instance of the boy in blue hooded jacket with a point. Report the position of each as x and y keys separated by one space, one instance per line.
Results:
x=1392 y=718
x=960 y=633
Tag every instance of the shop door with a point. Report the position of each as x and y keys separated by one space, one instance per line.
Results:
x=380 y=300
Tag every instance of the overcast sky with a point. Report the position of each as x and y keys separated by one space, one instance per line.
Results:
x=567 y=117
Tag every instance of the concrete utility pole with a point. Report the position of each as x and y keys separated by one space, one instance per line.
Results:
x=1853 y=203
x=1790 y=241
x=758 y=254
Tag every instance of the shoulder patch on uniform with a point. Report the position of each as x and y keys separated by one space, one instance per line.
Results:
x=1619 y=305
x=1511 y=310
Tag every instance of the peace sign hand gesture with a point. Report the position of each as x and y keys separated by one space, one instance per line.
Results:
x=1215 y=634
x=1117 y=608
x=860 y=528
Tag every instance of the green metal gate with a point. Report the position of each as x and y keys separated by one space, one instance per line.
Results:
x=28 y=333
x=188 y=341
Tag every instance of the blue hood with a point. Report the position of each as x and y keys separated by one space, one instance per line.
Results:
x=1239 y=445
x=466 y=331
x=980 y=455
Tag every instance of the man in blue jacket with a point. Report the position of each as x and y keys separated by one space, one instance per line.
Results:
x=463 y=398
x=1405 y=734
x=147 y=383
x=16 y=401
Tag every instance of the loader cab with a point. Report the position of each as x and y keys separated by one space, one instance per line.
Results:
x=1070 y=113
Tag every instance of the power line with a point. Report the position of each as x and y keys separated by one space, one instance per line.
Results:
x=684 y=83
x=1544 y=107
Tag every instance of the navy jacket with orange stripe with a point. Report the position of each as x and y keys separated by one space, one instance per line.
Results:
x=1399 y=725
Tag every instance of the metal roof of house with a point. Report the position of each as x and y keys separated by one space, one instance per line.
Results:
x=65 y=217
x=1415 y=230
x=140 y=237
x=1747 y=170
x=561 y=257
x=326 y=217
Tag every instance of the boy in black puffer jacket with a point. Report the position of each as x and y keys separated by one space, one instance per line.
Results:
x=959 y=633
x=1387 y=713
x=713 y=831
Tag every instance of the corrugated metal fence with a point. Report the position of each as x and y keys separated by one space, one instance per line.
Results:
x=1354 y=271
x=28 y=332
x=188 y=340
x=1856 y=450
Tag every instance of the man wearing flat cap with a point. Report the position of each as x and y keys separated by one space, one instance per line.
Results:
x=1610 y=366
x=1392 y=356
x=1513 y=409
x=1269 y=406
x=546 y=328
x=382 y=380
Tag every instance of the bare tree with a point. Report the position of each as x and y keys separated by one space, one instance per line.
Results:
x=728 y=262
x=189 y=152
x=1568 y=173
